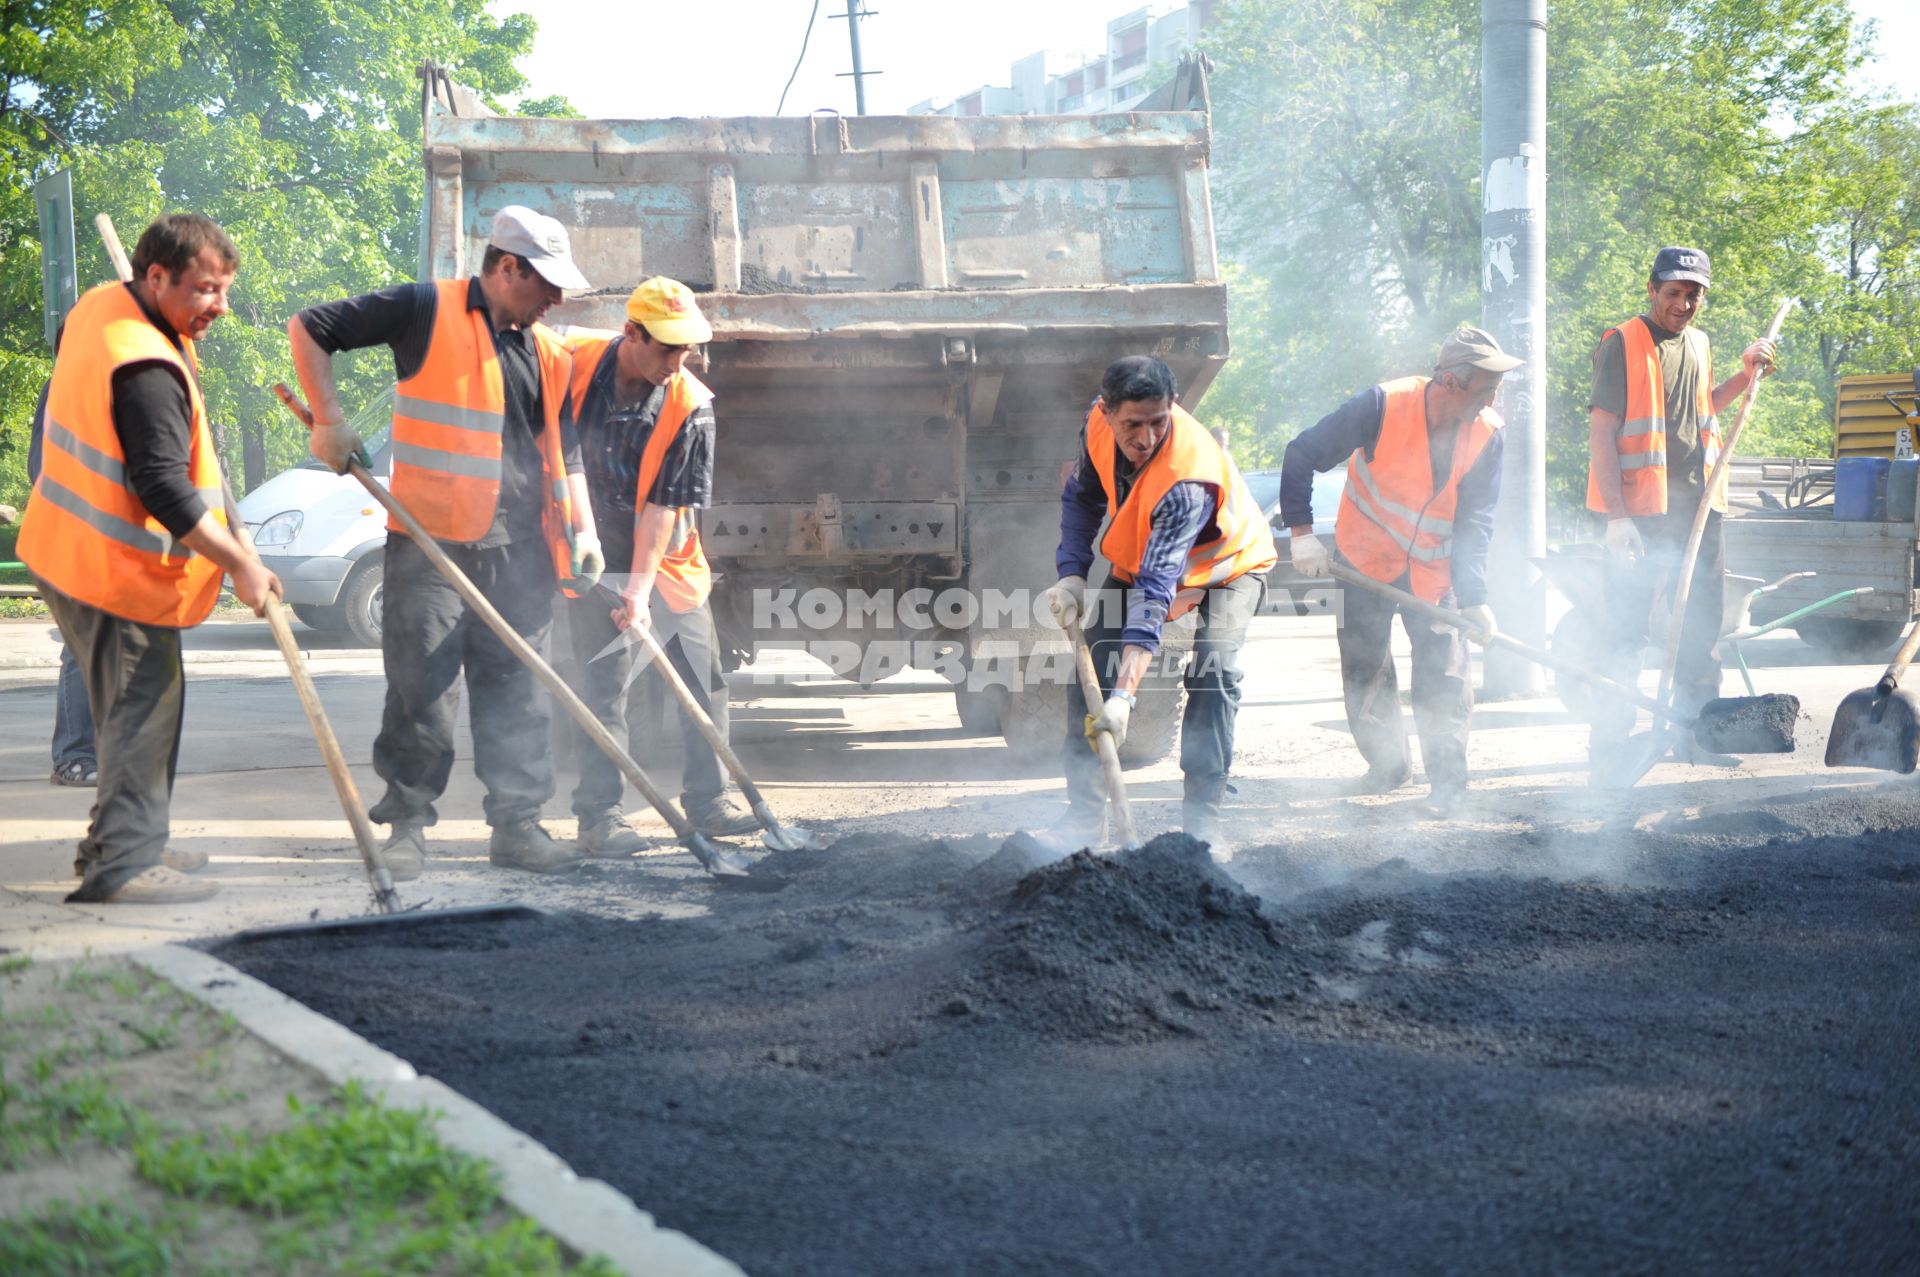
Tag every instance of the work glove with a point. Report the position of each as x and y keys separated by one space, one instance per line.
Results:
x=1310 y=557
x=1757 y=359
x=335 y=444
x=1066 y=598
x=1483 y=627
x=1623 y=540
x=1112 y=719
x=588 y=562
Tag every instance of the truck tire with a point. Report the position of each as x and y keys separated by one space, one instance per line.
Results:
x=979 y=710
x=1849 y=640
x=360 y=600
x=1154 y=727
x=326 y=617
x=1033 y=722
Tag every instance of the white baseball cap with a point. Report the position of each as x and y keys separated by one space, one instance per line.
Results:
x=540 y=239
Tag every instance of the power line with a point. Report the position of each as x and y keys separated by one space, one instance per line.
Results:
x=802 y=58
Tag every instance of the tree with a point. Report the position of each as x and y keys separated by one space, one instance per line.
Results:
x=294 y=123
x=1347 y=178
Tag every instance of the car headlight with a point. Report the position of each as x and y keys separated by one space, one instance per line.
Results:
x=281 y=529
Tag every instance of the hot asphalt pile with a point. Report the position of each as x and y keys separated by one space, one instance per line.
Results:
x=942 y=1058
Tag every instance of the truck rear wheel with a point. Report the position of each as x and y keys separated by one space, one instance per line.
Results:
x=979 y=710
x=1154 y=728
x=1847 y=639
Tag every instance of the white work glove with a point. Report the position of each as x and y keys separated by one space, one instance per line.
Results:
x=1310 y=557
x=588 y=562
x=1483 y=627
x=1067 y=599
x=8 y=515
x=1757 y=359
x=1623 y=540
x=335 y=444
x=1112 y=719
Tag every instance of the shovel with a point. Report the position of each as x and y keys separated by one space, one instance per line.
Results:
x=1103 y=745
x=719 y=863
x=1730 y=725
x=1879 y=726
x=778 y=837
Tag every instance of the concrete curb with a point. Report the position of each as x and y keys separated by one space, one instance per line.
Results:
x=588 y=1216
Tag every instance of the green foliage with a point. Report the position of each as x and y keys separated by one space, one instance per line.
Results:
x=1347 y=188
x=294 y=123
x=95 y=1239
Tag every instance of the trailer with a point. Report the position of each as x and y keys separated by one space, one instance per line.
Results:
x=911 y=315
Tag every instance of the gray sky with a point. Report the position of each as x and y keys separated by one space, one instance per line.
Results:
x=732 y=57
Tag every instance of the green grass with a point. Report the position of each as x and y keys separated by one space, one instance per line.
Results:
x=15 y=963
x=98 y=1239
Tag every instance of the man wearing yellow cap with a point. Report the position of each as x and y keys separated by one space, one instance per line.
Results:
x=484 y=456
x=646 y=437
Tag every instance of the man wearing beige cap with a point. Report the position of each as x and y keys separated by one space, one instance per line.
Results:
x=1423 y=475
x=484 y=455
x=647 y=437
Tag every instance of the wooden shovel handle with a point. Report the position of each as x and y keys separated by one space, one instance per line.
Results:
x=1102 y=742
x=1901 y=659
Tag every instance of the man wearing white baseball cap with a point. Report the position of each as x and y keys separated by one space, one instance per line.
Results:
x=484 y=455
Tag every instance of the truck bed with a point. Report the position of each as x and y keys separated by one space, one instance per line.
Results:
x=1780 y=520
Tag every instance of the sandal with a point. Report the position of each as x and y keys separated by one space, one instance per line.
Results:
x=75 y=772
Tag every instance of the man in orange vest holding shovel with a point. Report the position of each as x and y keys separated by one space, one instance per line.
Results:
x=1654 y=434
x=484 y=456
x=1183 y=533
x=646 y=436
x=1423 y=461
x=127 y=536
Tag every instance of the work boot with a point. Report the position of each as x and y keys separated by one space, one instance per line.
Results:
x=76 y=773
x=186 y=862
x=609 y=837
x=405 y=853
x=1384 y=780
x=523 y=844
x=1201 y=822
x=720 y=817
x=1083 y=827
x=159 y=885
x=1445 y=798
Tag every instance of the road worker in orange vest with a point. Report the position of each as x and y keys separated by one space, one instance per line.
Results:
x=483 y=454
x=1423 y=457
x=1653 y=435
x=646 y=429
x=127 y=534
x=1184 y=534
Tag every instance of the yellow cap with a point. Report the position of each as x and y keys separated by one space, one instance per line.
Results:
x=666 y=309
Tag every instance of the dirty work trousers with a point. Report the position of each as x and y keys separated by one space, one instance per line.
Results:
x=1442 y=686
x=136 y=682
x=606 y=669
x=1640 y=597
x=429 y=638
x=1211 y=675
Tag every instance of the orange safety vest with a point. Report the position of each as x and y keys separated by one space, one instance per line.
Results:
x=86 y=533
x=448 y=420
x=684 y=580
x=1642 y=441
x=1241 y=542
x=1392 y=522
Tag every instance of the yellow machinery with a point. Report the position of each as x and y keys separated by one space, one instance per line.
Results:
x=1868 y=411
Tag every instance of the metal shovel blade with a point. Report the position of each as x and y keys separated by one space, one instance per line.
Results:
x=1748 y=724
x=779 y=837
x=719 y=863
x=1872 y=729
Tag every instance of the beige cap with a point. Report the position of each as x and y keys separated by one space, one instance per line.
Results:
x=1468 y=347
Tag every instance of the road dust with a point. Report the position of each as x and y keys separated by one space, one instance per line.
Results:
x=967 y=1057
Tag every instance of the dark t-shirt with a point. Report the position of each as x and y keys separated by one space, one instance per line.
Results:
x=614 y=437
x=1681 y=368
x=401 y=318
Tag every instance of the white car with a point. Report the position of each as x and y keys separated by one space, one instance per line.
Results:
x=327 y=539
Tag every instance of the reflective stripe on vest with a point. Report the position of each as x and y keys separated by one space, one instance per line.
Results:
x=684 y=579
x=449 y=422
x=86 y=532
x=1393 y=522
x=1640 y=445
x=1242 y=540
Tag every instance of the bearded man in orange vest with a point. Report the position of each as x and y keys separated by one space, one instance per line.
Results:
x=1423 y=458
x=646 y=435
x=484 y=455
x=127 y=535
x=1654 y=434
x=1184 y=533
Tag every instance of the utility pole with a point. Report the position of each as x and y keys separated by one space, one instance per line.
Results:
x=859 y=73
x=1513 y=307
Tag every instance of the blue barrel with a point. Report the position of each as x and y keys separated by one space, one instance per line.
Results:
x=1900 y=490
x=1860 y=489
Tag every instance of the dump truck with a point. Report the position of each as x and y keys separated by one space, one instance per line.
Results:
x=1781 y=520
x=911 y=315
